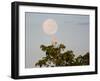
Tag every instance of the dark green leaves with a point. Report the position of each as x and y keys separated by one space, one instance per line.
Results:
x=57 y=56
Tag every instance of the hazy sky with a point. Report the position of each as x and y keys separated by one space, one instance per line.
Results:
x=73 y=31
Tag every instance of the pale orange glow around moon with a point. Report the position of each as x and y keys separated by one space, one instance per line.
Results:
x=50 y=26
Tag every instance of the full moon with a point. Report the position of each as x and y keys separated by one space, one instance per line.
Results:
x=50 y=26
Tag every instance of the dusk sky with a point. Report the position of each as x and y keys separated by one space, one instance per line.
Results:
x=73 y=31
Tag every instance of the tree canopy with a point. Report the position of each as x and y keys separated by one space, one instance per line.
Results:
x=58 y=56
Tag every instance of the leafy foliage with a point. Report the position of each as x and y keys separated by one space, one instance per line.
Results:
x=57 y=56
